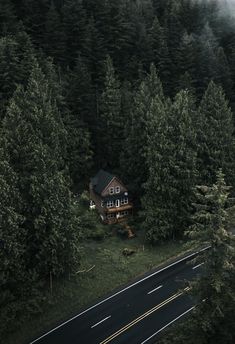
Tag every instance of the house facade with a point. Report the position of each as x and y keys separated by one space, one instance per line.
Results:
x=110 y=197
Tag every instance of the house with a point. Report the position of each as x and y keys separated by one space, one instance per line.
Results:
x=110 y=197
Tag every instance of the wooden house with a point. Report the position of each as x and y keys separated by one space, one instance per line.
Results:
x=110 y=197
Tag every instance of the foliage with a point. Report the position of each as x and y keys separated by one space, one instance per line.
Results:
x=215 y=139
x=214 y=289
x=85 y=84
x=172 y=174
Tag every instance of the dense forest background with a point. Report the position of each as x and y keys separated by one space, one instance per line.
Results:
x=142 y=88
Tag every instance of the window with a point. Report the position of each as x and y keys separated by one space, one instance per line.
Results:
x=111 y=190
x=111 y=216
x=117 y=189
x=117 y=203
x=124 y=201
x=110 y=204
x=102 y=204
x=123 y=213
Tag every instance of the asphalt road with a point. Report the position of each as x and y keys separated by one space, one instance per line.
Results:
x=136 y=314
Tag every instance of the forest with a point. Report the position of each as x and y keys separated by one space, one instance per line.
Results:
x=144 y=89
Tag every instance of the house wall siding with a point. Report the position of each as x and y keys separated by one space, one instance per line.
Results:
x=97 y=200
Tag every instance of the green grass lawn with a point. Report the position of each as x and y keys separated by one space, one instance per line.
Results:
x=103 y=268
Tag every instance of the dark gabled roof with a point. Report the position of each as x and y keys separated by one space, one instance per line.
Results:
x=101 y=180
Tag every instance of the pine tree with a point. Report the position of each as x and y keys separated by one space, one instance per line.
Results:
x=93 y=52
x=32 y=129
x=81 y=94
x=174 y=32
x=215 y=139
x=207 y=63
x=138 y=126
x=54 y=36
x=16 y=58
x=213 y=318
x=160 y=53
x=12 y=246
x=186 y=59
x=172 y=163
x=111 y=126
x=223 y=73
x=8 y=20
x=74 y=20
x=33 y=15
x=155 y=221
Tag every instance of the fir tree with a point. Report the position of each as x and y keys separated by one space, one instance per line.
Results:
x=8 y=20
x=172 y=163
x=186 y=59
x=138 y=126
x=206 y=71
x=111 y=124
x=54 y=36
x=223 y=72
x=33 y=14
x=32 y=130
x=215 y=139
x=213 y=317
x=12 y=246
x=160 y=53
x=74 y=20
x=81 y=95
x=16 y=59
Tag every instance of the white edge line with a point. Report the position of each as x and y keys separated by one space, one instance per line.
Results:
x=119 y=292
x=163 y=328
x=197 y=266
x=152 y=291
x=100 y=322
x=205 y=248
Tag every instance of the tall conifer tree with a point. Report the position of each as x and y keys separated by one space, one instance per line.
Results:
x=32 y=129
x=172 y=163
x=215 y=139
x=137 y=131
x=111 y=125
x=213 y=318
x=12 y=246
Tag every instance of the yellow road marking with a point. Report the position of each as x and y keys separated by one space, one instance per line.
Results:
x=135 y=321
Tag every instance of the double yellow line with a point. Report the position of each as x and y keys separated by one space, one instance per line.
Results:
x=141 y=317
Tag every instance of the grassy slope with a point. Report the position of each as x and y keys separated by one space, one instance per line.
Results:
x=111 y=270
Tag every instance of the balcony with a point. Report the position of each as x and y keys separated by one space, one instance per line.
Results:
x=115 y=209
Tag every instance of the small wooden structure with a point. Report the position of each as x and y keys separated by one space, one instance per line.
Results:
x=110 y=197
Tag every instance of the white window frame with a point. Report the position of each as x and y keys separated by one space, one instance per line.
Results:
x=124 y=213
x=124 y=200
x=102 y=204
x=111 y=190
x=110 y=204
x=117 y=189
x=117 y=203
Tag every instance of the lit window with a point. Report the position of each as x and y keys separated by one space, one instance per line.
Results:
x=111 y=190
x=117 y=189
